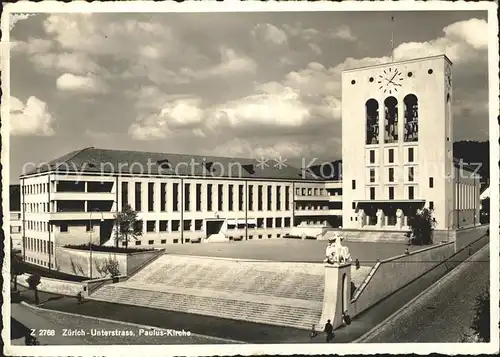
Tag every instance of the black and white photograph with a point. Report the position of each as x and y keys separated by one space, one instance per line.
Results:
x=208 y=178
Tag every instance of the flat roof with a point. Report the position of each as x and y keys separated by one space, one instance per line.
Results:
x=399 y=62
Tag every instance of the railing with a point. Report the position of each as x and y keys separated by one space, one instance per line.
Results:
x=146 y=262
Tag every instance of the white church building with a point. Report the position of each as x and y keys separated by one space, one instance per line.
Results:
x=397 y=148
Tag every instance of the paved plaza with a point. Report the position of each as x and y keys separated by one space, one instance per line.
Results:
x=290 y=250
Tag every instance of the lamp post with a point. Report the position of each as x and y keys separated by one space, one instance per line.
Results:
x=90 y=242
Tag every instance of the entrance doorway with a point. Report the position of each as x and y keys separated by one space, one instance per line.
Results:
x=213 y=227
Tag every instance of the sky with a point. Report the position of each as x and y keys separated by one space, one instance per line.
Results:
x=230 y=84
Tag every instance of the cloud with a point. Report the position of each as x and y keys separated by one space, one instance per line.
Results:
x=269 y=34
x=67 y=62
x=342 y=32
x=231 y=64
x=81 y=84
x=30 y=119
x=32 y=46
x=180 y=114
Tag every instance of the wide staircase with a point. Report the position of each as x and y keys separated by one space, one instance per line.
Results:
x=274 y=293
x=368 y=236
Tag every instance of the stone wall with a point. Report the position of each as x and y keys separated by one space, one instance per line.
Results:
x=77 y=262
x=394 y=273
x=62 y=287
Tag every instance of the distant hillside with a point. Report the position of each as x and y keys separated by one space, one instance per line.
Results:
x=471 y=152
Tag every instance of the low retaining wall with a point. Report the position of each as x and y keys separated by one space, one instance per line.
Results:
x=464 y=237
x=392 y=274
x=77 y=262
x=61 y=287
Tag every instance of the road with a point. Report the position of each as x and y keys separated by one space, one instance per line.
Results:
x=26 y=319
x=444 y=312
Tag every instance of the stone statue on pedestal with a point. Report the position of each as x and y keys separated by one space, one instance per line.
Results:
x=361 y=217
x=399 y=218
x=336 y=253
x=380 y=218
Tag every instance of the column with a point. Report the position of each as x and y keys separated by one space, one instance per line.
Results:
x=204 y=197
x=225 y=197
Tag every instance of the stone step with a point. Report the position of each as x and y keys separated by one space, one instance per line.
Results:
x=230 y=309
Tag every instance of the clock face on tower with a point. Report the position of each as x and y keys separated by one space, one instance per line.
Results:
x=448 y=78
x=390 y=80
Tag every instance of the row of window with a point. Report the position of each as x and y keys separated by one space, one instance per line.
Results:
x=197 y=224
x=304 y=207
x=411 y=194
x=38 y=261
x=310 y=192
x=36 y=207
x=35 y=188
x=39 y=245
x=390 y=176
x=391 y=119
x=390 y=156
x=466 y=196
x=37 y=226
x=238 y=191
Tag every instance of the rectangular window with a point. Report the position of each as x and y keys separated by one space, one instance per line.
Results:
x=391 y=174
x=187 y=225
x=187 y=196
x=230 y=198
x=269 y=198
x=353 y=184
x=372 y=156
x=163 y=197
x=411 y=192
x=391 y=156
x=287 y=221
x=250 y=197
x=124 y=195
x=151 y=242
x=269 y=223
x=176 y=225
x=163 y=226
x=391 y=193
x=411 y=174
x=431 y=182
x=138 y=201
x=279 y=223
x=259 y=198
x=240 y=197
x=372 y=193
x=220 y=198
x=151 y=226
x=410 y=155
x=198 y=197
x=163 y=241
x=372 y=175
x=138 y=226
x=278 y=198
x=64 y=227
x=175 y=193
x=151 y=196
x=354 y=205
x=287 y=198
x=431 y=205
x=209 y=197
x=137 y=242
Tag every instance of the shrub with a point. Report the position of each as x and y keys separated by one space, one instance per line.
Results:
x=102 y=248
x=422 y=227
x=481 y=322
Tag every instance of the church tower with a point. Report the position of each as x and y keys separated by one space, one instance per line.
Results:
x=397 y=137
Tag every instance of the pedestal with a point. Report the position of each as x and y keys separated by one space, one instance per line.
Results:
x=337 y=294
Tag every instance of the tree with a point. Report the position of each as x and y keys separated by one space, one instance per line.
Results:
x=481 y=322
x=422 y=226
x=33 y=281
x=128 y=225
x=16 y=266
